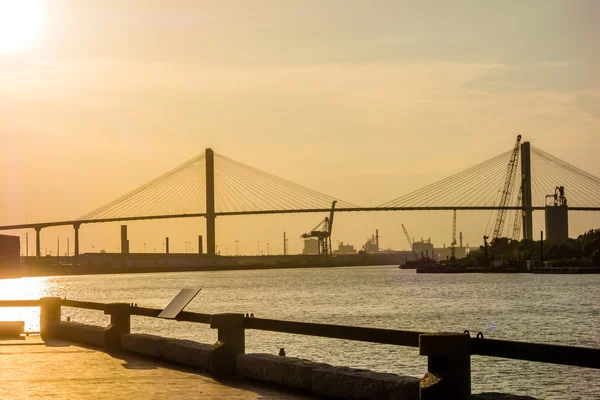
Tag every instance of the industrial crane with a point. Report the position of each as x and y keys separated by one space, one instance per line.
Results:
x=516 y=233
x=410 y=243
x=323 y=232
x=509 y=182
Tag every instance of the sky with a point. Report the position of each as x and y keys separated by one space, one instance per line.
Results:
x=362 y=100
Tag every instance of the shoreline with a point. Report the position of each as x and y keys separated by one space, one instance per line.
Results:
x=95 y=270
x=546 y=270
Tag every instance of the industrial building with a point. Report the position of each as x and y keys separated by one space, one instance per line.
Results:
x=10 y=255
x=557 y=217
x=311 y=246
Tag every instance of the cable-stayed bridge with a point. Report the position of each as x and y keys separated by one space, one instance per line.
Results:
x=512 y=184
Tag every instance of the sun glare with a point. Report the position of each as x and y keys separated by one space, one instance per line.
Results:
x=20 y=24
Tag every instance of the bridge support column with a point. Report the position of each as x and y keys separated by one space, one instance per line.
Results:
x=124 y=249
x=37 y=242
x=527 y=206
x=210 y=202
x=76 y=227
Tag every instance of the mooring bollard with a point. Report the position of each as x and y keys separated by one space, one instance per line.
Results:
x=448 y=366
x=120 y=324
x=231 y=342
x=50 y=310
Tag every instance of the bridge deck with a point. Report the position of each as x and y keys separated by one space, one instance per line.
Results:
x=32 y=369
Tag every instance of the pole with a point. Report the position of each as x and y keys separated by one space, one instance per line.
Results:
x=27 y=244
x=167 y=245
x=284 y=244
x=200 y=245
x=527 y=207
x=210 y=202
x=68 y=249
x=541 y=249
x=57 y=248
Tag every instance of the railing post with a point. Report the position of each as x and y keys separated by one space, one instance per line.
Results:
x=231 y=342
x=448 y=366
x=50 y=311
x=120 y=324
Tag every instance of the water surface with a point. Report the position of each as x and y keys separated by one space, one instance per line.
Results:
x=559 y=309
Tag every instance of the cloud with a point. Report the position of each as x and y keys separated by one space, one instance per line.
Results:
x=544 y=77
x=589 y=103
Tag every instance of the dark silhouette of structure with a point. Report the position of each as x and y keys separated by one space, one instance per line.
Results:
x=211 y=185
x=10 y=254
x=323 y=233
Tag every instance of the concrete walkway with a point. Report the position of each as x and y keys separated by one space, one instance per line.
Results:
x=32 y=369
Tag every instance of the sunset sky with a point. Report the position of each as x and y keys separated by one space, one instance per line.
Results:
x=362 y=100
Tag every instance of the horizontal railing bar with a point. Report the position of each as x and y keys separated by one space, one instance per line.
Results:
x=546 y=353
x=373 y=335
x=90 y=305
x=185 y=316
x=193 y=317
x=20 y=303
x=145 y=312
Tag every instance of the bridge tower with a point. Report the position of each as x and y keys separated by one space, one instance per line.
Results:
x=210 y=202
x=38 y=250
x=76 y=229
x=526 y=205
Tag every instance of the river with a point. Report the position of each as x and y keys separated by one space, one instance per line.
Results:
x=557 y=309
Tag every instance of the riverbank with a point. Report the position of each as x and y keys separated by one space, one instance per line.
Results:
x=115 y=263
x=74 y=270
x=508 y=270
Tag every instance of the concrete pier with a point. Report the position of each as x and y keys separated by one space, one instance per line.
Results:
x=34 y=369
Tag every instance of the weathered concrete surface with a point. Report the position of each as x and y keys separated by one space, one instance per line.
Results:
x=187 y=352
x=30 y=369
x=349 y=383
x=80 y=333
x=499 y=396
x=149 y=345
x=291 y=371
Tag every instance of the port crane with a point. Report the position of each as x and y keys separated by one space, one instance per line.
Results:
x=410 y=243
x=516 y=233
x=323 y=232
x=509 y=182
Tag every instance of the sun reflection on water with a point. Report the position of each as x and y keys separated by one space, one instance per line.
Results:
x=23 y=289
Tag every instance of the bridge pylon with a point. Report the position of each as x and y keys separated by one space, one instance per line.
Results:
x=526 y=205
x=38 y=250
x=210 y=202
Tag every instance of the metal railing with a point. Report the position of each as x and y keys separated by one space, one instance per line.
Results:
x=448 y=353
